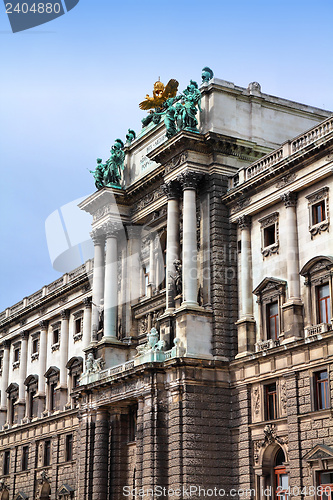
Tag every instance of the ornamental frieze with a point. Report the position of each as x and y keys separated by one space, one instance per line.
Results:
x=149 y=198
x=176 y=162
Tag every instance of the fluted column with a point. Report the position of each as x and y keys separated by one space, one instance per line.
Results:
x=244 y=224
x=42 y=357
x=98 y=280
x=189 y=181
x=4 y=382
x=64 y=348
x=133 y=272
x=86 y=322
x=171 y=189
x=23 y=365
x=111 y=281
x=292 y=257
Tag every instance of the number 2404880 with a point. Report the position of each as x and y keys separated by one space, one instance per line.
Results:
x=35 y=8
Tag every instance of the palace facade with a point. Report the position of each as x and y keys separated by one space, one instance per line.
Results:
x=195 y=350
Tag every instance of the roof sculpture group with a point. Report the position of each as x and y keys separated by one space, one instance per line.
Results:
x=178 y=111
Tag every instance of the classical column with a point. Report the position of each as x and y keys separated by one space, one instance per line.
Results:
x=111 y=281
x=171 y=189
x=42 y=357
x=100 y=457
x=86 y=322
x=292 y=309
x=152 y=266
x=246 y=323
x=98 y=280
x=4 y=381
x=189 y=181
x=133 y=272
x=292 y=257
x=23 y=366
x=63 y=350
x=244 y=224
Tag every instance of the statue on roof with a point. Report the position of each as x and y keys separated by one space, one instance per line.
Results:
x=191 y=99
x=207 y=74
x=130 y=136
x=109 y=174
x=156 y=104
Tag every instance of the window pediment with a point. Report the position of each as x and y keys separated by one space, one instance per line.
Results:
x=319 y=452
x=269 y=285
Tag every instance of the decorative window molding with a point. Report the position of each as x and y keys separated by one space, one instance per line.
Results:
x=31 y=383
x=16 y=355
x=318 y=204
x=318 y=274
x=52 y=376
x=56 y=334
x=269 y=228
x=269 y=292
x=35 y=346
x=78 y=326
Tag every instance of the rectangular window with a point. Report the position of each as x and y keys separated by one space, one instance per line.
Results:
x=33 y=404
x=269 y=235
x=53 y=396
x=35 y=346
x=78 y=326
x=273 y=327
x=6 y=463
x=271 y=409
x=13 y=409
x=324 y=303
x=25 y=457
x=69 y=447
x=56 y=336
x=47 y=453
x=318 y=212
x=16 y=355
x=325 y=485
x=321 y=390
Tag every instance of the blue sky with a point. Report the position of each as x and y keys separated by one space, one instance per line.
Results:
x=71 y=86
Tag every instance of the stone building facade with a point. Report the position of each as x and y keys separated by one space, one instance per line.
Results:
x=192 y=355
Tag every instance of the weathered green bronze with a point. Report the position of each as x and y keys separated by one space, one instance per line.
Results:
x=109 y=174
x=191 y=98
x=207 y=74
x=130 y=136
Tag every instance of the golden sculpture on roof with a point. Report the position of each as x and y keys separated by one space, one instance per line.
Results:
x=160 y=94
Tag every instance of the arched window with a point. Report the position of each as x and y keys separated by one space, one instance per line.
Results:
x=281 y=478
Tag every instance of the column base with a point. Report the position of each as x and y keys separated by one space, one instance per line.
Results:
x=293 y=325
x=194 y=330
x=246 y=328
x=3 y=416
x=113 y=351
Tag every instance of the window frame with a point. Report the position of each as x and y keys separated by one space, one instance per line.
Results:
x=56 y=327
x=69 y=447
x=78 y=318
x=327 y=299
x=47 y=453
x=316 y=393
x=25 y=458
x=6 y=463
x=319 y=197
x=267 y=394
x=265 y=223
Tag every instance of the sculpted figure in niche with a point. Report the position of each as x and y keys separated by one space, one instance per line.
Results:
x=178 y=277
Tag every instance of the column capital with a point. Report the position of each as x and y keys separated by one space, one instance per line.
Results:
x=24 y=334
x=111 y=228
x=87 y=302
x=189 y=179
x=64 y=314
x=289 y=199
x=43 y=324
x=171 y=190
x=98 y=236
x=244 y=222
x=5 y=344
